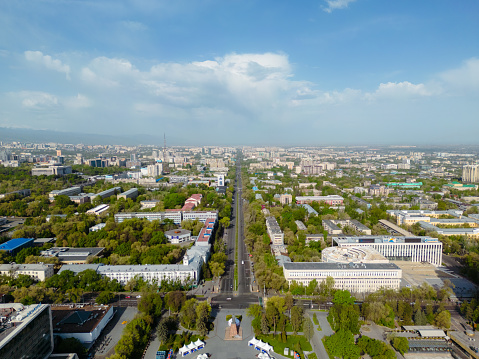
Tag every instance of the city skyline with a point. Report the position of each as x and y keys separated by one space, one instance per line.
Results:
x=328 y=72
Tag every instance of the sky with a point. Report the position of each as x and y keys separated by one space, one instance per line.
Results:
x=230 y=72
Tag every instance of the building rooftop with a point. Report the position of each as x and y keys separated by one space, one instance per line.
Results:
x=17 y=316
x=383 y=239
x=76 y=320
x=15 y=243
x=273 y=225
x=68 y=254
x=338 y=266
x=78 y=268
x=352 y=254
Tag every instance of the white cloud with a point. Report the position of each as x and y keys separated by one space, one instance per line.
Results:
x=336 y=4
x=464 y=78
x=77 y=102
x=35 y=100
x=47 y=61
x=401 y=90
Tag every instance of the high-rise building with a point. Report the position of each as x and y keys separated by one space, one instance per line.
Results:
x=470 y=173
x=26 y=331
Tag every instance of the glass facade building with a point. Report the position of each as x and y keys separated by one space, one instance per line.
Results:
x=28 y=334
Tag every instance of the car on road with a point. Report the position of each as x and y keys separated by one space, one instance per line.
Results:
x=127 y=296
x=228 y=298
x=138 y=296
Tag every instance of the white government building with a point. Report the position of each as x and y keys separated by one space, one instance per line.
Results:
x=413 y=249
x=355 y=277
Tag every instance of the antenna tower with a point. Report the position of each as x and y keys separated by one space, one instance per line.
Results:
x=165 y=156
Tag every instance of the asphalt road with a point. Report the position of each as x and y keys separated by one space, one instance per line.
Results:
x=228 y=284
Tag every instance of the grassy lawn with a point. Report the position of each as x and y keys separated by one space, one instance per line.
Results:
x=315 y=319
x=291 y=340
x=312 y=356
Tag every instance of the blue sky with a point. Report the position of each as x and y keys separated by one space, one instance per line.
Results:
x=244 y=71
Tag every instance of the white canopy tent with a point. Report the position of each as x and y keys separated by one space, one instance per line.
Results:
x=184 y=350
x=266 y=347
x=199 y=344
x=191 y=346
x=253 y=342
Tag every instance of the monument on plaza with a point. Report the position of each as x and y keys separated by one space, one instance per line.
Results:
x=234 y=330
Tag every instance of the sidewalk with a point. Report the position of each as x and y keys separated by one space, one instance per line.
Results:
x=326 y=330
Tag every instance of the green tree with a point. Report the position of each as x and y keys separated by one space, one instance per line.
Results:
x=104 y=297
x=162 y=331
x=308 y=328
x=341 y=344
x=296 y=318
x=443 y=319
x=264 y=325
x=401 y=344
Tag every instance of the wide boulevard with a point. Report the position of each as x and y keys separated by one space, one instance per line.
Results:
x=232 y=294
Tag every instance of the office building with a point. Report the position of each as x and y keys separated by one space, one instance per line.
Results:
x=38 y=272
x=71 y=191
x=470 y=173
x=98 y=210
x=84 y=324
x=286 y=198
x=332 y=200
x=13 y=246
x=355 y=277
x=413 y=249
x=131 y=193
x=25 y=331
x=334 y=226
x=69 y=255
x=20 y=193
x=175 y=216
x=55 y=170
x=154 y=170
x=107 y=193
x=176 y=236
x=151 y=272
x=149 y=203
x=97 y=227
x=274 y=231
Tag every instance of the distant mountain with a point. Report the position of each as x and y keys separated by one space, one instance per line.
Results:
x=39 y=136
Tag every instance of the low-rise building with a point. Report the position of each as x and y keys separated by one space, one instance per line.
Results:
x=69 y=255
x=131 y=193
x=13 y=246
x=84 y=324
x=274 y=231
x=98 y=210
x=54 y=170
x=97 y=227
x=152 y=203
x=176 y=236
x=355 y=277
x=71 y=191
x=414 y=248
x=39 y=272
x=332 y=200
x=152 y=272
